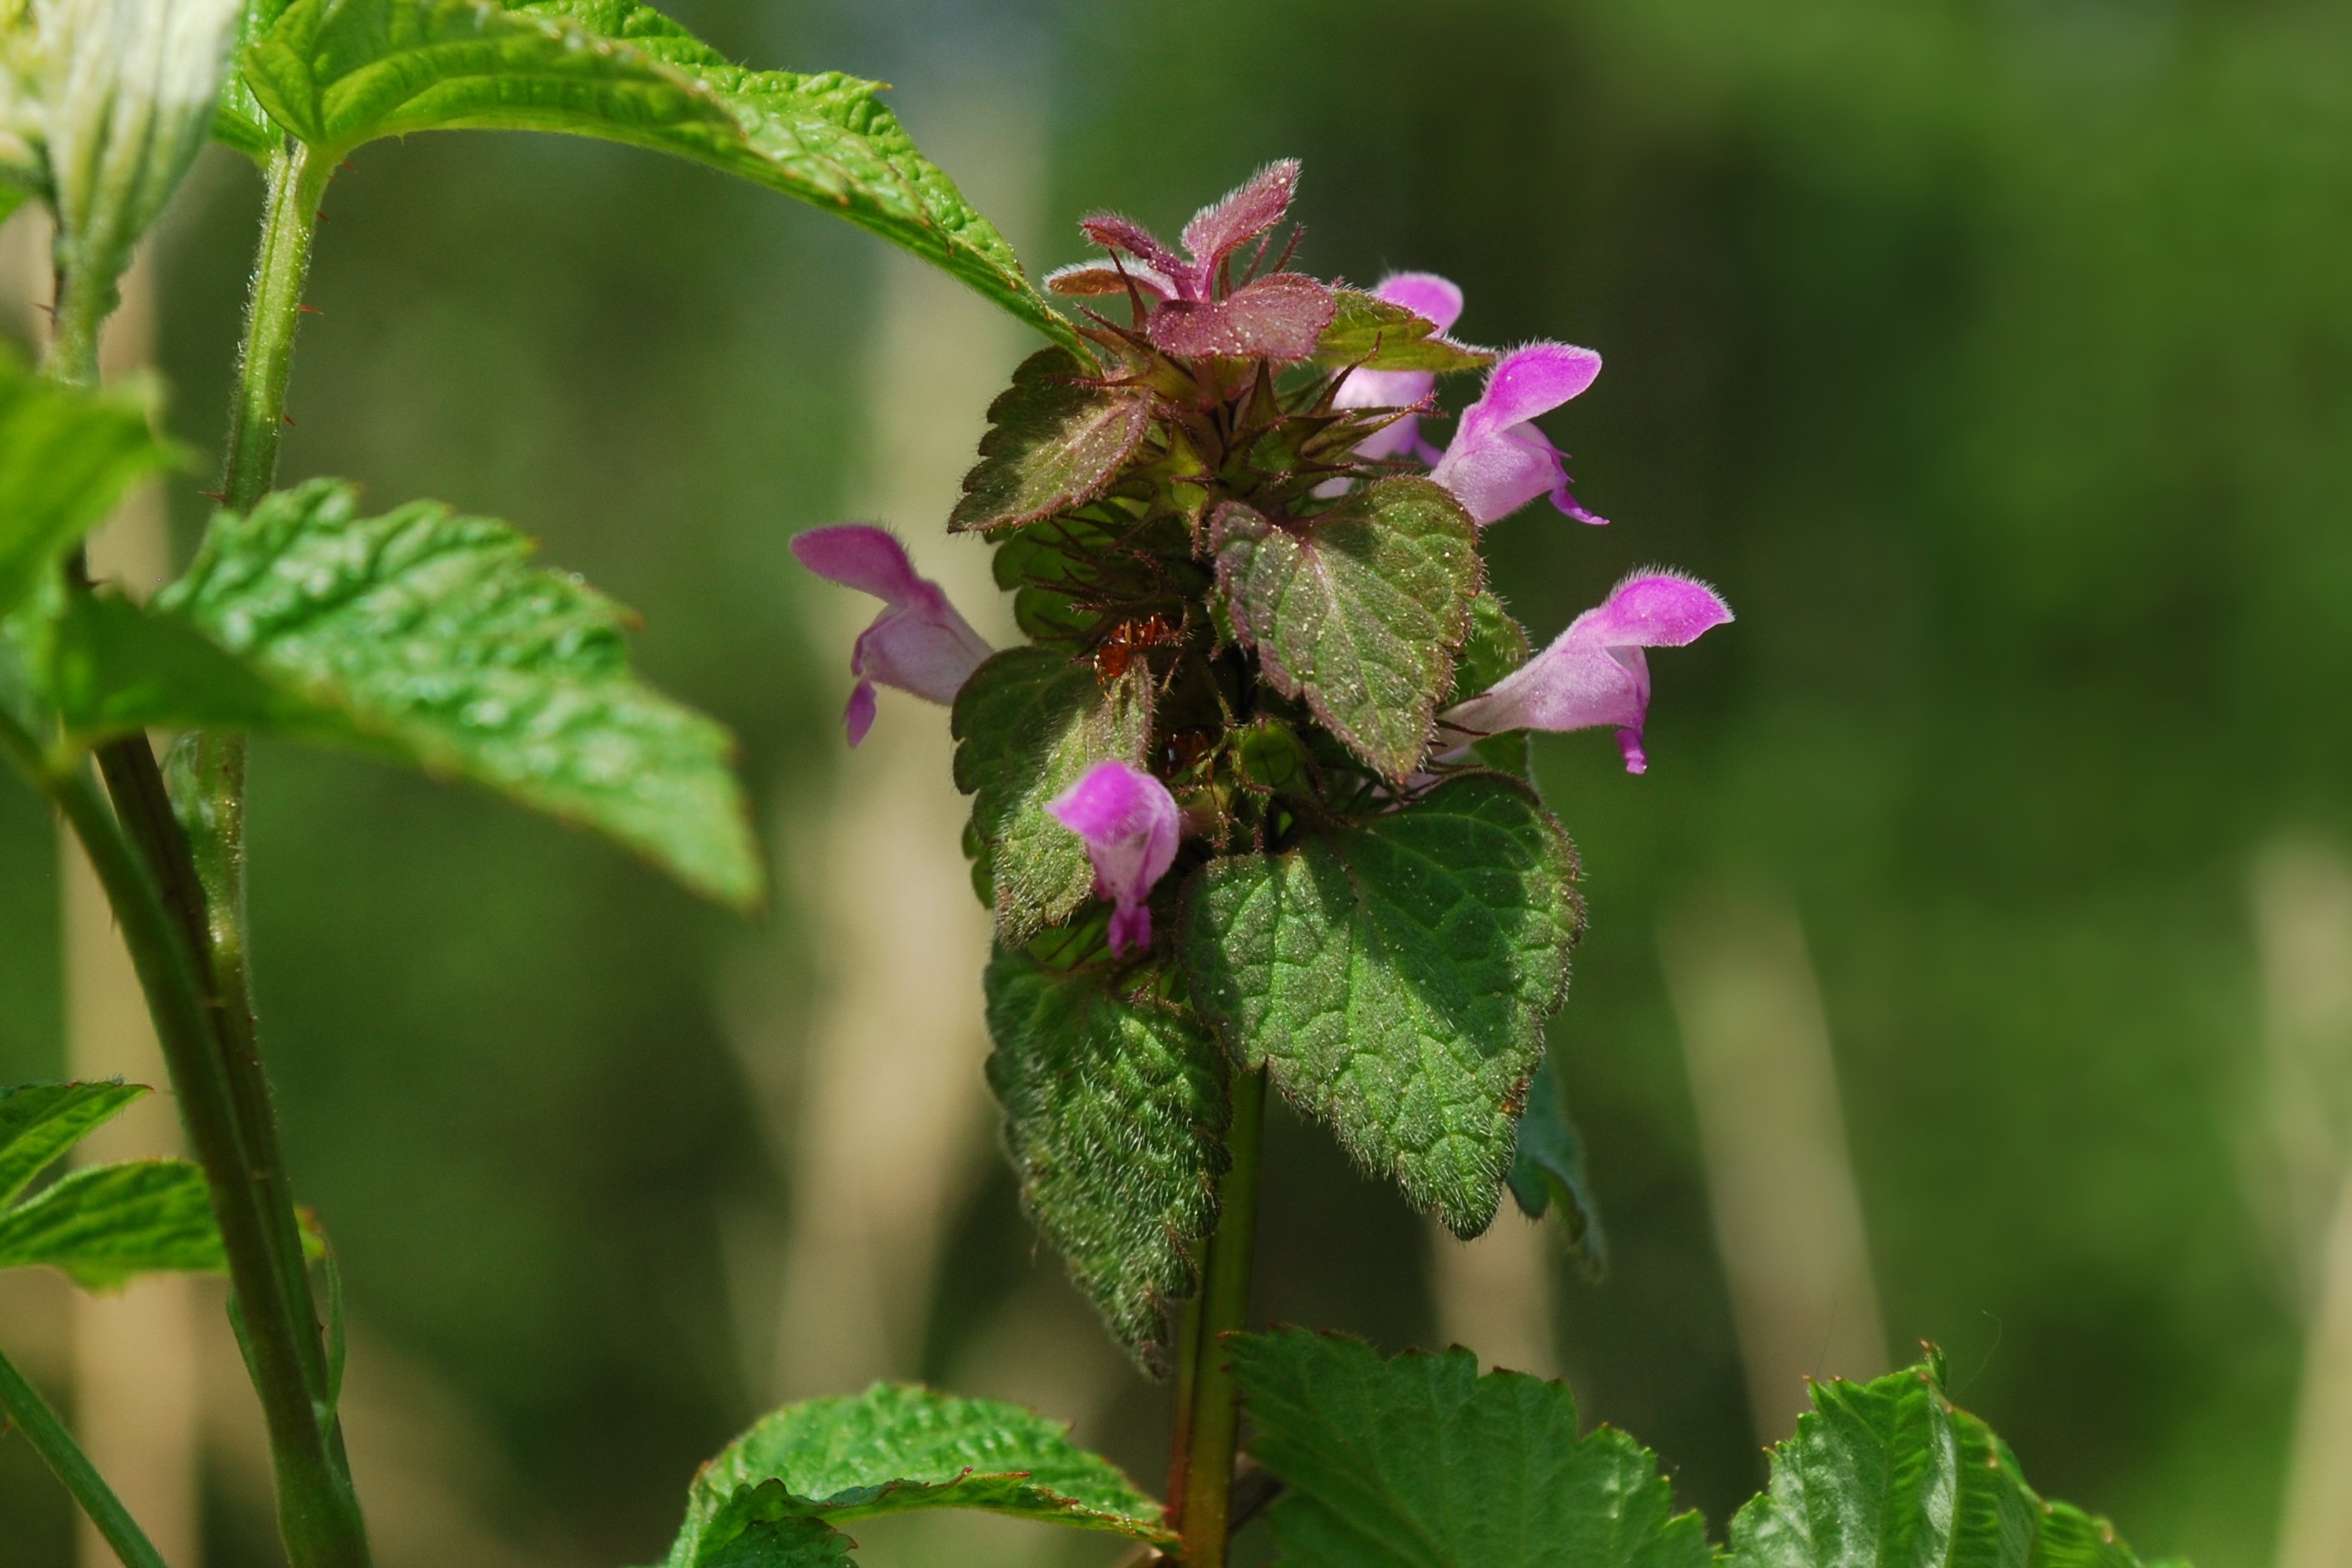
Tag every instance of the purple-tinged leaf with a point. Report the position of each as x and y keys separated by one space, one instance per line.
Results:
x=1280 y=317
x=1057 y=439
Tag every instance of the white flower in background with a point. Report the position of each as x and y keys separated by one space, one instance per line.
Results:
x=103 y=105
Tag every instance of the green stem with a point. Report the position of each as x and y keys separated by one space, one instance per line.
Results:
x=273 y=312
x=81 y=308
x=1204 y=1513
x=318 y=1513
x=23 y=1407
x=296 y=182
x=252 y=1194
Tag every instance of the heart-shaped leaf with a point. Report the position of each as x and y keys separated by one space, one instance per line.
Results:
x=1028 y=724
x=1395 y=976
x=1419 y=1462
x=1359 y=610
x=1114 y=1112
x=1056 y=440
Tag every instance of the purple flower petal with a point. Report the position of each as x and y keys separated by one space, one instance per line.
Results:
x=1130 y=825
x=1278 y=316
x=1426 y=295
x=1595 y=673
x=918 y=645
x=1498 y=462
x=1243 y=214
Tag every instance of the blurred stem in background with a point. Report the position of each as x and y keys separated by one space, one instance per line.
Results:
x=26 y=1410
x=1788 y=1220
x=2301 y=896
x=1496 y=1293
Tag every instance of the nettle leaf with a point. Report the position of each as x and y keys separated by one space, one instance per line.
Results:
x=425 y=638
x=338 y=73
x=1114 y=1114
x=100 y=1225
x=1889 y=1472
x=66 y=457
x=1394 y=977
x=1056 y=440
x=1547 y=1170
x=1368 y=332
x=1026 y=725
x=760 y=1526
x=1359 y=610
x=1419 y=1462
x=896 y=1448
x=39 y=1123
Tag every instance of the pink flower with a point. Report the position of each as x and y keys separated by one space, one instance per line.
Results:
x=1434 y=298
x=1595 y=672
x=1130 y=825
x=1280 y=316
x=1499 y=461
x=919 y=644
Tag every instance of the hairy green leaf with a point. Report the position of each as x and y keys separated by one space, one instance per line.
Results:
x=1547 y=1170
x=1370 y=333
x=425 y=638
x=1026 y=725
x=1394 y=978
x=1359 y=610
x=1888 y=1474
x=895 y=1448
x=1114 y=1111
x=66 y=457
x=103 y=1225
x=337 y=73
x=40 y=1122
x=1419 y=1462
x=1056 y=438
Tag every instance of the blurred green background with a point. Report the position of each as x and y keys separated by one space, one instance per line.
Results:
x=1995 y=358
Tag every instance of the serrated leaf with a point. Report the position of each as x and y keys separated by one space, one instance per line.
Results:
x=1114 y=1109
x=338 y=73
x=1394 y=977
x=1888 y=1474
x=1056 y=440
x=423 y=637
x=101 y=1226
x=1372 y=333
x=1548 y=1171
x=1026 y=725
x=39 y=1123
x=1359 y=610
x=66 y=457
x=1419 y=1462
x=895 y=1448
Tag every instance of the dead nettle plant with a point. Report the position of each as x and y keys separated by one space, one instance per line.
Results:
x=1251 y=805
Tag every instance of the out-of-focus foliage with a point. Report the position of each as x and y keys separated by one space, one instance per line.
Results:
x=1994 y=360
